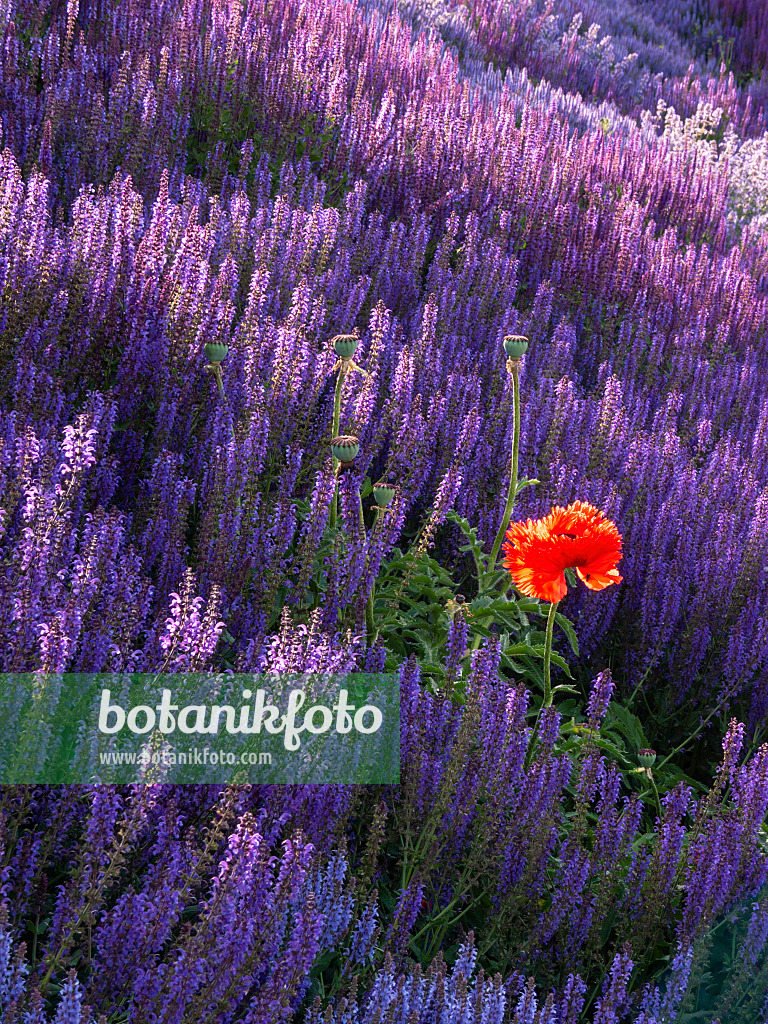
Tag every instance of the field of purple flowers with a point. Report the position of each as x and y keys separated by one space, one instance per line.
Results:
x=196 y=198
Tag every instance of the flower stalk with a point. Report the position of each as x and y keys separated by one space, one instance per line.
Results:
x=548 y=654
x=383 y=493
x=513 y=368
x=345 y=346
x=369 y=620
x=646 y=771
x=361 y=517
x=334 y=433
x=548 y=694
x=216 y=352
x=345 y=450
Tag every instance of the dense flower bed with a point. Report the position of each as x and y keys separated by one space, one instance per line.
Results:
x=429 y=180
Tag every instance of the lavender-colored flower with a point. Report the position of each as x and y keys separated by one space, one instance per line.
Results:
x=610 y=1006
x=599 y=699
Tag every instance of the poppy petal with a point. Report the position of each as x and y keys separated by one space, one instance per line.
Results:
x=537 y=552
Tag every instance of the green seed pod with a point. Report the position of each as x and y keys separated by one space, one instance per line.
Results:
x=345 y=345
x=383 y=493
x=515 y=345
x=214 y=352
x=345 y=448
x=646 y=758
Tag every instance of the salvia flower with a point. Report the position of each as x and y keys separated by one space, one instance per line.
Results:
x=537 y=552
x=599 y=698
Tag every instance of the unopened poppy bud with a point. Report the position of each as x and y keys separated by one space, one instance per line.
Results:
x=515 y=345
x=345 y=345
x=460 y=599
x=383 y=493
x=345 y=448
x=646 y=758
x=215 y=352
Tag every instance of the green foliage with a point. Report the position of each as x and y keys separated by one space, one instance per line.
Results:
x=238 y=119
x=729 y=977
x=416 y=600
x=410 y=611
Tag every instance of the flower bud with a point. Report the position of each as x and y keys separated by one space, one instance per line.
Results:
x=515 y=345
x=646 y=758
x=345 y=345
x=383 y=493
x=345 y=448
x=214 y=352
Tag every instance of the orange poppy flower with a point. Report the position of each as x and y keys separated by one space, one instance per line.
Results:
x=579 y=537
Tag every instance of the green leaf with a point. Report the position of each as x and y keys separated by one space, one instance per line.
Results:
x=569 y=631
x=669 y=777
x=522 y=484
x=561 y=663
x=537 y=651
x=525 y=648
x=323 y=961
x=627 y=724
x=643 y=840
x=489 y=581
x=474 y=546
x=514 y=666
x=503 y=613
x=568 y=707
x=613 y=751
x=608 y=923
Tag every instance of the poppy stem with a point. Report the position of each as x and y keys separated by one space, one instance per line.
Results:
x=361 y=517
x=654 y=791
x=335 y=433
x=370 y=628
x=513 y=365
x=215 y=370
x=371 y=599
x=548 y=654
x=547 y=702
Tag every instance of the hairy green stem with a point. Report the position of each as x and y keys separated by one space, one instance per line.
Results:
x=547 y=702
x=369 y=603
x=369 y=620
x=215 y=369
x=655 y=792
x=335 y=433
x=548 y=654
x=514 y=369
x=361 y=517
